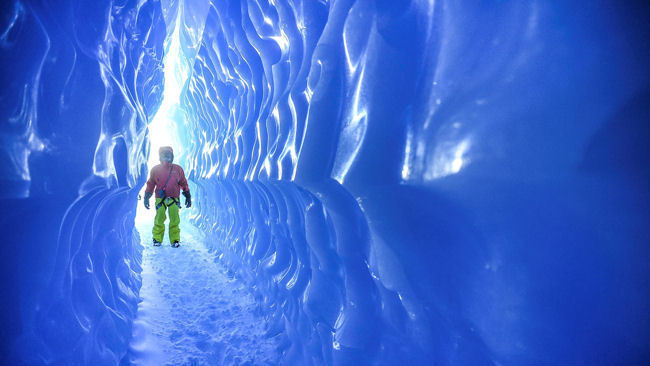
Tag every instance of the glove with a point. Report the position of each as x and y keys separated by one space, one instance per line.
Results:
x=188 y=199
x=147 y=196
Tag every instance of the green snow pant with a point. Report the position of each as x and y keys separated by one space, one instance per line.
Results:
x=174 y=220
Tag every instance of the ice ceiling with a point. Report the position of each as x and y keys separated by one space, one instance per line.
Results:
x=423 y=182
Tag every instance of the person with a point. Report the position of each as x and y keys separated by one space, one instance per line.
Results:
x=167 y=179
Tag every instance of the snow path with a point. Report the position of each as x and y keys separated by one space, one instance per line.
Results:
x=192 y=312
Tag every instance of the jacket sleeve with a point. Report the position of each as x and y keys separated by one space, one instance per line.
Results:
x=151 y=183
x=183 y=182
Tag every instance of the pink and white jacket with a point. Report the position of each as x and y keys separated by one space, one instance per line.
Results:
x=158 y=177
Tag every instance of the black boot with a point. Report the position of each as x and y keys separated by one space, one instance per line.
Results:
x=176 y=244
x=156 y=243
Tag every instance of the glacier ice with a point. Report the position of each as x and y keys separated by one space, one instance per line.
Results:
x=79 y=82
x=431 y=182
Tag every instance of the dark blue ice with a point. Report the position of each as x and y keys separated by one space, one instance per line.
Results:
x=387 y=182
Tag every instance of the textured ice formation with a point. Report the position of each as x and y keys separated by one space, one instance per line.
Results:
x=422 y=182
x=428 y=182
x=80 y=79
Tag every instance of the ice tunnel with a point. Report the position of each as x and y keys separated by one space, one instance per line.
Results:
x=392 y=181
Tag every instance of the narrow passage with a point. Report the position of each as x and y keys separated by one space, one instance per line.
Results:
x=192 y=312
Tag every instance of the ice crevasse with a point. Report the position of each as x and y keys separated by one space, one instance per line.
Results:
x=431 y=182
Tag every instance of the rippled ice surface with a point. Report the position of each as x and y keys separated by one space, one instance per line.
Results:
x=408 y=182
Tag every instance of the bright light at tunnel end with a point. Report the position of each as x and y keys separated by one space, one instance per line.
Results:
x=165 y=126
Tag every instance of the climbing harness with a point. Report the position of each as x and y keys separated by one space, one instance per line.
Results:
x=161 y=192
x=168 y=201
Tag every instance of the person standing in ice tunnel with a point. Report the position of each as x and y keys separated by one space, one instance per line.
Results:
x=168 y=179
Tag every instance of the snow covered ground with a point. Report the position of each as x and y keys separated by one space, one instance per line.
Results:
x=192 y=312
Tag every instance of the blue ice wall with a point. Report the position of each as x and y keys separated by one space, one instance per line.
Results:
x=79 y=80
x=449 y=183
x=431 y=182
